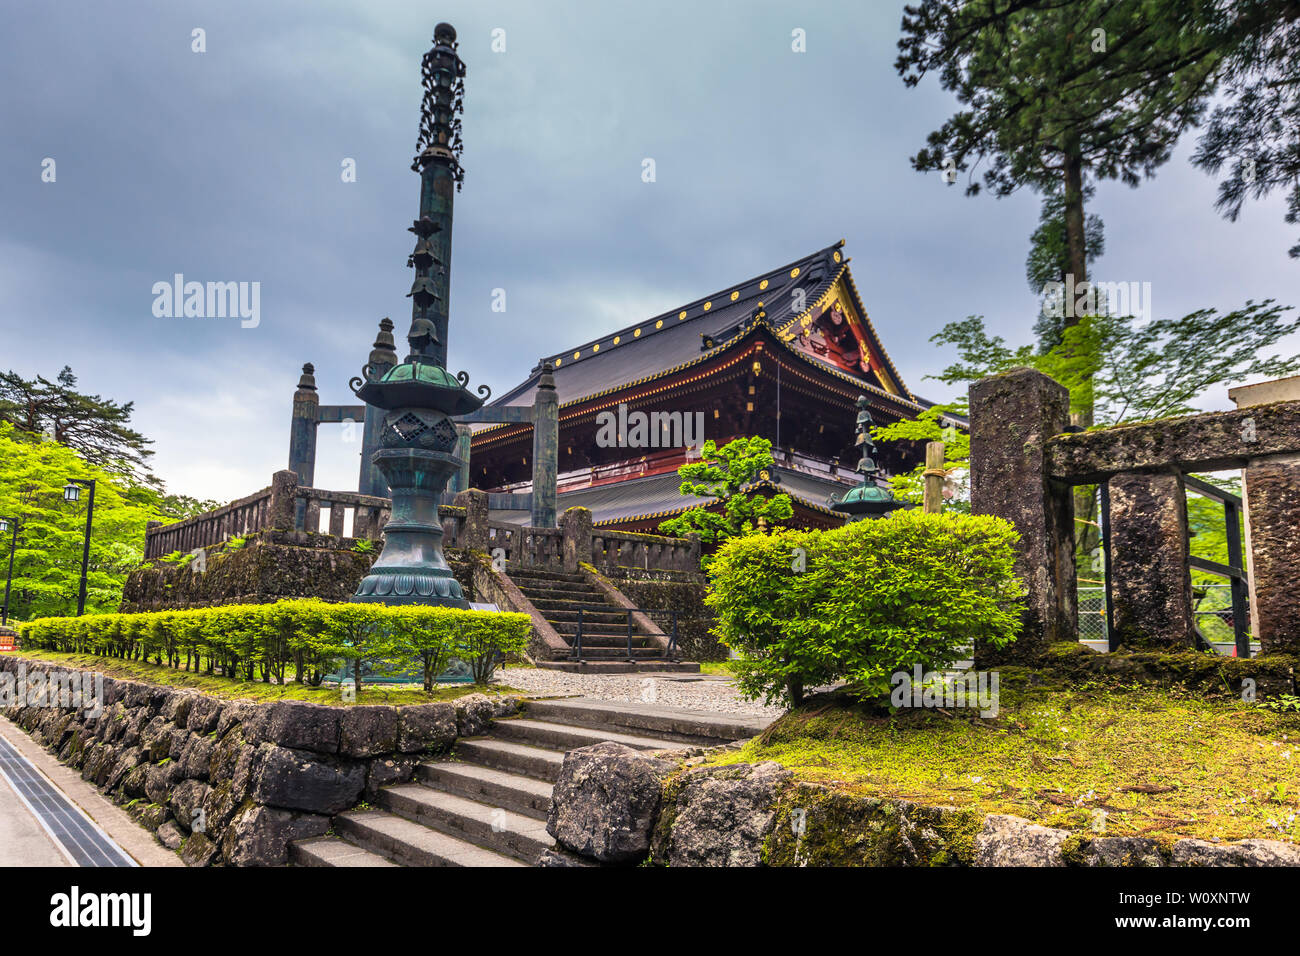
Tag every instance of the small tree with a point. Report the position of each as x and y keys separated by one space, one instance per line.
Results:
x=724 y=474
x=480 y=639
x=866 y=600
x=360 y=633
x=429 y=636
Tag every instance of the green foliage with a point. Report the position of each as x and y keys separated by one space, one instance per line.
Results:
x=310 y=635
x=927 y=427
x=364 y=546
x=724 y=474
x=1132 y=372
x=47 y=561
x=861 y=602
x=234 y=544
x=95 y=428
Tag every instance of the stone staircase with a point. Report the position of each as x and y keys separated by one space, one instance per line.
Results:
x=557 y=596
x=487 y=804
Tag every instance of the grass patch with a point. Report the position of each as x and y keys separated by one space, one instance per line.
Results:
x=718 y=668
x=1155 y=762
x=231 y=689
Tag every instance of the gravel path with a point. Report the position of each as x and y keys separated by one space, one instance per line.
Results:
x=688 y=691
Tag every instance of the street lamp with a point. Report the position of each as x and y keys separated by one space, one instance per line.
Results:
x=5 y=524
x=72 y=492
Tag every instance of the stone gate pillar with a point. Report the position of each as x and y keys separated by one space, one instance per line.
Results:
x=1273 y=497
x=302 y=432
x=383 y=357
x=1151 y=583
x=1012 y=417
x=546 y=450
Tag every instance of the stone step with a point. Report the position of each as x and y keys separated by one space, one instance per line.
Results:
x=608 y=639
x=412 y=844
x=517 y=758
x=606 y=619
x=648 y=719
x=588 y=607
x=518 y=572
x=618 y=651
x=621 y=667
x=525 y=795
x=331 y=851
x=564 y=737
x=566 y=593
x=486 y=826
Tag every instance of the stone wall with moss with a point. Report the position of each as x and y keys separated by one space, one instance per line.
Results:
x=1194 y=670
x=233 y=782
x=617 y=806
x=680 y=591
x=268 y=566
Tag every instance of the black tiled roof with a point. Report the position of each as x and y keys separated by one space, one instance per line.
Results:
x=669 y=340
x=658 y=496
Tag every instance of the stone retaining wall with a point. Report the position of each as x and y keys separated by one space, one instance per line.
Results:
x=617 y=806
x=270 y=566
x=234 y=782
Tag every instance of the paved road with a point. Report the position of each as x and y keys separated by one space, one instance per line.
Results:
x=23 y=841
x=49 y=816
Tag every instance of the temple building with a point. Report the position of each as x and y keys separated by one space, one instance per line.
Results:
x=783 y=355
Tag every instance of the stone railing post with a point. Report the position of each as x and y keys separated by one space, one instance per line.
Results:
x=1151 y=584
x=150 y=551
x=1273 y=500
x=474 y=532
x=546 y=450
x=576 y=525
x=1012 y=417
x=695 y=553
x=284 y=492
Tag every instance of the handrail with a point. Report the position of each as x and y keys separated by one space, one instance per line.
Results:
x=670 y=652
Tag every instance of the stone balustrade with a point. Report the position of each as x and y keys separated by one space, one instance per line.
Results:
x=287 y=506
x=1024 y=464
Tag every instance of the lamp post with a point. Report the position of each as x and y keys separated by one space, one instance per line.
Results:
x=72 y=492
x=5 y=524
x=867 y=499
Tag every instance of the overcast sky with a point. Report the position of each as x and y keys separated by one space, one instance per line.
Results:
x=225 y=166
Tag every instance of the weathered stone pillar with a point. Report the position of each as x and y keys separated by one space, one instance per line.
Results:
x=1012 y=416
x=546 y=450
x=1151 y=584
x=284 y=492
x=474 y=534
x=150 y=550
x=576 y=525
x=302 y=432
x=383 y=357
x=1273 y=497
x=460 y=480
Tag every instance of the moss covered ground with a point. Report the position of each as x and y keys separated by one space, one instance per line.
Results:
x=231 y=689
x=1127 y=759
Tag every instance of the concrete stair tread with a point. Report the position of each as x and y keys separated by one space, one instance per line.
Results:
x=541 y=764
x=331 y=851
x=621 y=667
x=524 y=837
x=487 y=784
x=648 y=719
x=411 y=842
x=586 y=736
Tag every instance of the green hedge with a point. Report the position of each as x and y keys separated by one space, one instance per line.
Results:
x=872 y=598
x=248 y=641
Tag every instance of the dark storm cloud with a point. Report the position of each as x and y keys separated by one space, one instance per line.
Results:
x=225 y=166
